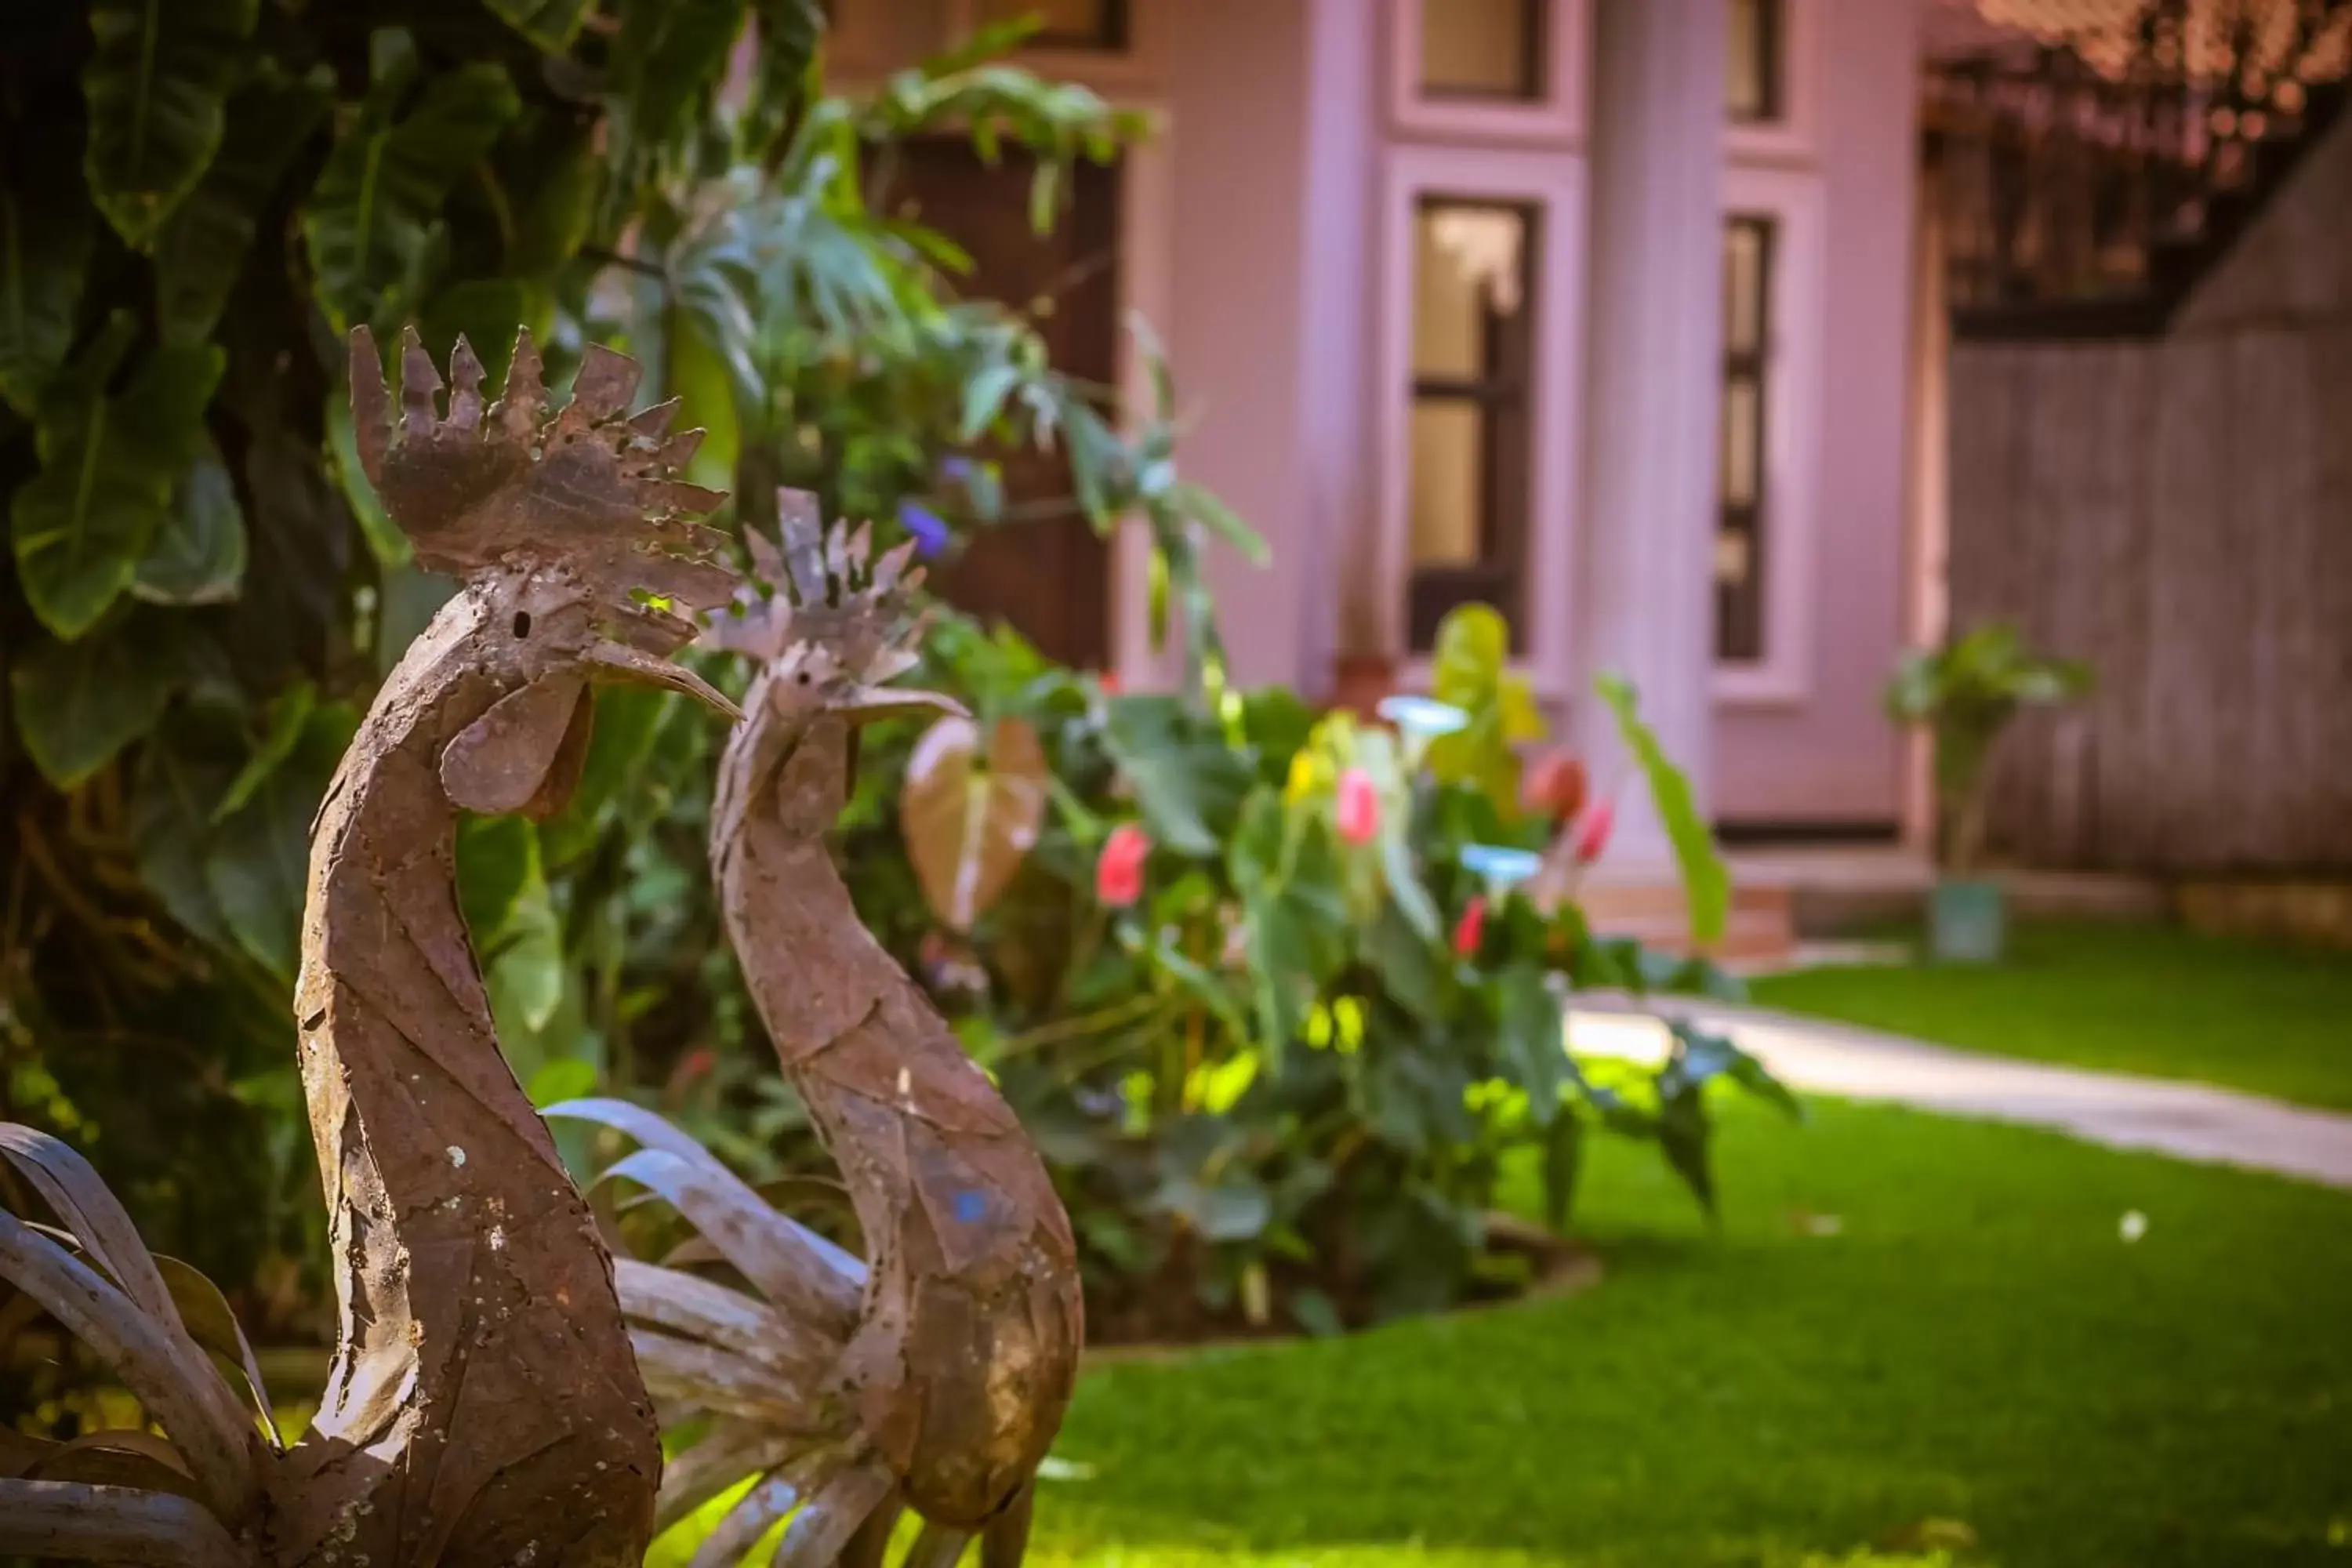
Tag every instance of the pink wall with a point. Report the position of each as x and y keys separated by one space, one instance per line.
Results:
x=1831 y=758
x=1238 y=136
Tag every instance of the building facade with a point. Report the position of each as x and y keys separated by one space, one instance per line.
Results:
x=1599 y=311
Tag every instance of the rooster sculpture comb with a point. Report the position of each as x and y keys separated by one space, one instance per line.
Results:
x=590 y=488
x=825 y=596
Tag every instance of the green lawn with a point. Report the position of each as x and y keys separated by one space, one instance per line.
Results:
x=1905 y=1324
x=2122 y=997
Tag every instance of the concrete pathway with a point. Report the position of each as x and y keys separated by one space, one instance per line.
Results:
x=2186 y=1120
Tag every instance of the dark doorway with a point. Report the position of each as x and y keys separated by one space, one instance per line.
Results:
x=1049 y=573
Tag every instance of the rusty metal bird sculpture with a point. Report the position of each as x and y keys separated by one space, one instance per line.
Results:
x=483 y=1406
x=932 y=1376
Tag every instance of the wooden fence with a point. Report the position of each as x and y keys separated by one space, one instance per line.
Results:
x=2179 y=513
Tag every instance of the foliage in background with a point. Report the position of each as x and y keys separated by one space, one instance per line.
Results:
x=1965 y=694
x=198 y=200
x=1280 y=1073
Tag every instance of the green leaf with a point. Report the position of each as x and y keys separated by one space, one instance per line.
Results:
x=385 y=542
x=198 y=558
x=983 y=398
x=671 y=52
x=289 y=719
x=45 y=236
x=1188 y=783
x=155 y=86
x=1471 y=671
x=184 y=770
x=565 y=1078
x=503 y=888
x=77 y=703
x=373 y=225
x=549 y=25
x=1530 y=1040
x=201 y=249
x=1707 y=881
x=108 y=464
x=1686 y=1135
x=1563 y=1163
x=257 y=862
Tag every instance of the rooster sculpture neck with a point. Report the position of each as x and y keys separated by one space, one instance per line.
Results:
x=483 y=1406
x=963 y=1358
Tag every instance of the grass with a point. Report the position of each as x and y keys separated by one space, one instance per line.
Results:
x=1907 y=1332
x=2119 y=997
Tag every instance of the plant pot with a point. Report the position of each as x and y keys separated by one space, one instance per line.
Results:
x=1968 y=922
x=1361 y=681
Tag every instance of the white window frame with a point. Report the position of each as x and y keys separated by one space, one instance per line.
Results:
x=1793 y=137
x=1139 y=65
x=1556 y=120
x=1796 y=315
x=1554 y=185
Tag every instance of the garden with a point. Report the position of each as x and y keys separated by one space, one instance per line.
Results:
x=1373 y=1266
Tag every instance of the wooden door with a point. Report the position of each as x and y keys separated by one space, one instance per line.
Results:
x=1049 y=573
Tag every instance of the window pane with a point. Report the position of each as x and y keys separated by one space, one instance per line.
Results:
x=1743 y=432
x=1755 y=59
x=1745 y=260
x=1482 y=48
x=1470 y=280
x=1449 y=451
x=1066 y=23
x=1742 y=539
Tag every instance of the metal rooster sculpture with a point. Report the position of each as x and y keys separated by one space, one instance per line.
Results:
x=934 y=1377
x=483 y=1406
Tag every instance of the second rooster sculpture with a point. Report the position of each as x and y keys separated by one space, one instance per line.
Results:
x=933 y=1376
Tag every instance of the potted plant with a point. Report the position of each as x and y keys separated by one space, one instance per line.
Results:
x=1964 y=695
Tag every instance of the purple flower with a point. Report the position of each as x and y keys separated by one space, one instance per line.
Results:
x=957 y=468
x=931 y=534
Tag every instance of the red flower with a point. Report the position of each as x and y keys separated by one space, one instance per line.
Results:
x=1554 y=786
x=1359 y=807
x=1118 y=874
x=1471 y=929
x=1110 y=683
x=697 y=1064
x=1592 y=833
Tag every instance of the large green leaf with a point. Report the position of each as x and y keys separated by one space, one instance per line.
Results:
x=502 y=888
x=1707 y=881
x=183 y=771
x=1188 y=783
x=155 y=85
x=1530 y=1039
x=256 y=864
x=1295 y=920
x=372 y=224
x=198 y=557
x=77 y=703
x=670 y=52
x=44 y=235
x=201 y=248
x=108 y=466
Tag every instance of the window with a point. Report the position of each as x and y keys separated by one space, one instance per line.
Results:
x=1473 y=263
x=1483 y=49
x=1749 y=241
x=1757 y=29
x=1094 y=24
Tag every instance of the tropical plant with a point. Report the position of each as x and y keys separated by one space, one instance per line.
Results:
x=203 y=593
x=1965 y=695
x=1270 y=991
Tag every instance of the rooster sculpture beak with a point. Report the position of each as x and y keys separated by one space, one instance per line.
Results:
x=619 y=661
x=872 y=704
